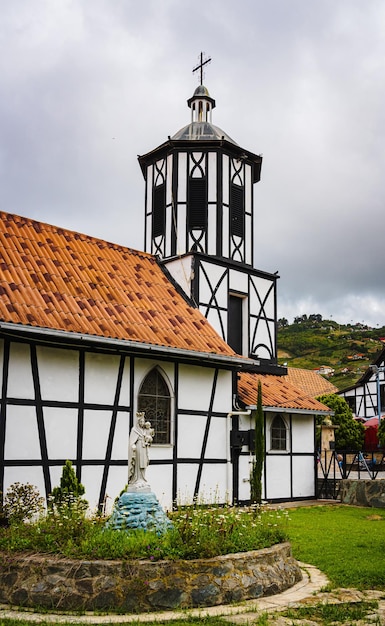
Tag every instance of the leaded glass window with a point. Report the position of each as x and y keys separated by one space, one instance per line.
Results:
x=154 y=399
x=278 y=434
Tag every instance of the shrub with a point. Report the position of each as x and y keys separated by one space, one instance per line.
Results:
x=22 y=502
x=350 y=434
x=67 y=499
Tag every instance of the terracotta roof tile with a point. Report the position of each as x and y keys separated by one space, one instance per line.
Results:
x=310 y=382
x=277 y=392
x=63 y=280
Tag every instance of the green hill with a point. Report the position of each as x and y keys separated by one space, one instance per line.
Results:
x=312 y=342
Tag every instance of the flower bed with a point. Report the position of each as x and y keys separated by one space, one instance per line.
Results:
x=143 y=585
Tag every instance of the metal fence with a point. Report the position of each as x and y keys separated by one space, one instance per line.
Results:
x=333 y=466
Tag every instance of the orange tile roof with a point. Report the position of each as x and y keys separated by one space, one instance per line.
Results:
x=277 y=392
x=311 y=383
x=57 y=279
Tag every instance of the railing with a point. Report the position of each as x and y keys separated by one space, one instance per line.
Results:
x=332 y=466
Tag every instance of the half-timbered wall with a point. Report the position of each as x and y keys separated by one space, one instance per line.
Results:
x=205 y=199
x=288 y=473
x=362 y=398
x=61 y=403
x=210 y=283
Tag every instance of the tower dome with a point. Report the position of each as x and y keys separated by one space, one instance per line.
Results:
x=201 y=126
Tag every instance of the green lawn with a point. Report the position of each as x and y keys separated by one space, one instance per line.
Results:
x=346 y=543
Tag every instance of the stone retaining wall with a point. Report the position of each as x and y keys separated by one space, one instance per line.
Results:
x=363 y=492
x=56 y=583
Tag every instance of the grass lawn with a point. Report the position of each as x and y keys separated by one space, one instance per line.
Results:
x=346 y=543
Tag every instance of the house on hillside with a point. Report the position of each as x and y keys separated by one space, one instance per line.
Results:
x=366 y=397
x=92 y=332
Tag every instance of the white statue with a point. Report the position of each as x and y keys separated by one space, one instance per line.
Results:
x=141 y=437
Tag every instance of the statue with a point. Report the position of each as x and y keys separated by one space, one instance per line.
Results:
x=137 y=507
x=141 y=437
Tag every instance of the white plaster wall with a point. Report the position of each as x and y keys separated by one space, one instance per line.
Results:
x=278 y=476
x=215 y=274
x=223 y=395
x=213 y=486
x=20 y=382
x=217 y=438
x=1 y=354
x=191 y=429
x=239 y=281
x=182 y=179
x=120 y=444
x=303 y=477
x=58 y=373
x=302 y=433
x=95 y=434
x=182 y=272
x=21 y=435
x=61 y=432
x=262 y=287
x=244 y=477
x=101 y=378
x=195 y=387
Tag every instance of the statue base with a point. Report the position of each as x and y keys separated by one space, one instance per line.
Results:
x=138 y=510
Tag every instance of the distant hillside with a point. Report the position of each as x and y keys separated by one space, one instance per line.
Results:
x=314 y=343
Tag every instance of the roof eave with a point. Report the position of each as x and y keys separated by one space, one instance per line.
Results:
x=233 y=362
x=281 y=409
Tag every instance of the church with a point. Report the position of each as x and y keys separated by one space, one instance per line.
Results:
x=92 y=332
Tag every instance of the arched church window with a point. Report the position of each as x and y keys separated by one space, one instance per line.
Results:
x=278 y=434
x=155 y=400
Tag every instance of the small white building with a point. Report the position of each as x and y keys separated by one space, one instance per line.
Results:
x=92 y=332
x=366 y=397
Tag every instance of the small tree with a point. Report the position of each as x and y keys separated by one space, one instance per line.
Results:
x=350 y=433
x=22 y=502
x=381 y=433
x=70 y=492
x=257 y=464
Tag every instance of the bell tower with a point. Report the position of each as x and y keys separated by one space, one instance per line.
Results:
x=199 y=221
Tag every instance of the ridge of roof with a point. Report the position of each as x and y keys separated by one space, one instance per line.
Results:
x=58 y=279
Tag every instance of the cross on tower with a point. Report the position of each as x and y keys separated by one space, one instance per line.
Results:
x=201 y=65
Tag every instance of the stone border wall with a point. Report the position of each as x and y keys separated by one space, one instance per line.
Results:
x=137 y=586
x=363 y=492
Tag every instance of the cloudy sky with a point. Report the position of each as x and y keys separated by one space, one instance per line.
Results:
x=87 y=85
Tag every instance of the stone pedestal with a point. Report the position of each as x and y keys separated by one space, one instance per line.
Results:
x=138 y=509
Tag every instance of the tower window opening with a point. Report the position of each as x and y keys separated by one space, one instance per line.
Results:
x=235 y=323
x=197 y=203
x=237 y=211
x=159 y=211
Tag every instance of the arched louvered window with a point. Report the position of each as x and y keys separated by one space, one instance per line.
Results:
x=278 y=434
x=155 y=400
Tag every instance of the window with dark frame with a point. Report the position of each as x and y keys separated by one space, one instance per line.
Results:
x=155 y=400
x=235 y=324
x=278 y=434
x=237 y=211
x=197 y=203
x=159 y=211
